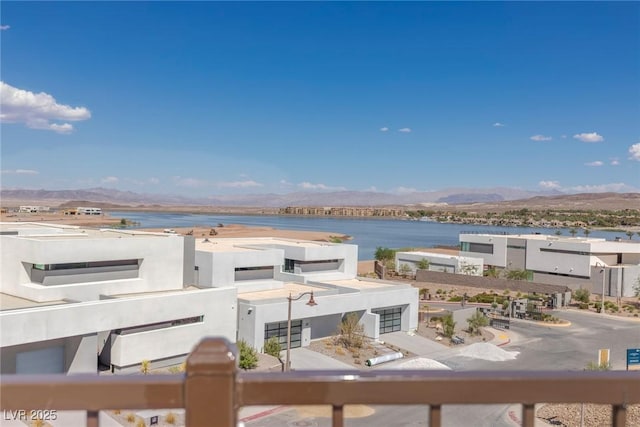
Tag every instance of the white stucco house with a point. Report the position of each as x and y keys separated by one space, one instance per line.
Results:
x=577 y=262
x=267 y=270
x=446 y=263
x=77 y=299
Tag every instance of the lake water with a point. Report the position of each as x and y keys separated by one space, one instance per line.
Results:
x=368 y=234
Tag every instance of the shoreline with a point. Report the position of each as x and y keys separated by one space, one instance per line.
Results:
x=108 y=220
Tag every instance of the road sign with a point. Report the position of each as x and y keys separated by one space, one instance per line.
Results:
x=633 y=359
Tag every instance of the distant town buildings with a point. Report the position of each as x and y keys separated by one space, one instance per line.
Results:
x=342 y=211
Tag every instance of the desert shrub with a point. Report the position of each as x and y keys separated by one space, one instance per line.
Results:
x=350 y=331
x=141 y=423
x=593 y=366
x=272 y=347
x=448 y=326
x=583 y=306
x=455 y=298
x=339 y=351
x=581 y=295
x=145 y=366
x=131 y=418
x=248 y=355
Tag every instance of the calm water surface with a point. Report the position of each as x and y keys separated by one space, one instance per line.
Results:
x=368 y=234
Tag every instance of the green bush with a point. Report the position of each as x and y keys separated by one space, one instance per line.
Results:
x=476 y=321
x=455 y=298
x=583 y=306
x=248 y=356
x=448 y=326
x=581 y=295
x=272 y=347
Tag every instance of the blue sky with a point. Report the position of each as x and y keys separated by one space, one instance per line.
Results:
x=211 y=98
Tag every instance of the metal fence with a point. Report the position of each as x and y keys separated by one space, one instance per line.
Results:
x=213 y=389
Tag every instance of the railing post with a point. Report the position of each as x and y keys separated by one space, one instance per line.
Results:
x=209 y=390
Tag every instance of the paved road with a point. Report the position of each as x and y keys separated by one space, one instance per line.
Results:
x=540 y=347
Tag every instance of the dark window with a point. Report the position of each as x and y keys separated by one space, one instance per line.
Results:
x=481 y=248
x=92 y=264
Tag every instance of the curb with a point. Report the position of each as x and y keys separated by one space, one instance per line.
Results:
x=262 y=414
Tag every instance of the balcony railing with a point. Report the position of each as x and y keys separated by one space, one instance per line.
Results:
x=213 y=389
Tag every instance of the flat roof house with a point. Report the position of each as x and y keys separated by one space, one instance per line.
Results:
x=577 y=262
x=73 y=298
x=267 y=270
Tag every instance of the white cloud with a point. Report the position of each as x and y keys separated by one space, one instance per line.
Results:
x=596 y=163
x=498 y=125
x=20 y=172
x=153 y=181
x=109 y=180
x=589 y=137
x=549 y=185
x=634 y=152
x=239 y=184
x=37 y=110
x=372 y=189
x=614 y=162
x=541 y=138
x=4 y=27
x=310 y=186
x=405 y=130
x=564 y=136
x=384 y=129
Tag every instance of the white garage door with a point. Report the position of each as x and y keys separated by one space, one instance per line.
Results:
x=45 y=361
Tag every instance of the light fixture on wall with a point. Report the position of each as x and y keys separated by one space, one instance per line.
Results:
x=250 y=310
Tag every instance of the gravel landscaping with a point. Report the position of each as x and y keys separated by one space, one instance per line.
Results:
x=568 y=415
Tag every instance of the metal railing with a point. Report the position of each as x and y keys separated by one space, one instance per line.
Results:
x=213 y=389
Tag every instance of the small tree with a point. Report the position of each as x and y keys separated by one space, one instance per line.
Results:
x=581 y=295
x=423 y=264
x=405 y=270
x=573 y=232
x=350 y=331
x=477 y=321
x=248 y=356
x=558 y=232
x=448 y=326
x=630 y=234
x=145 y=365
x=587 y=232
x=272 y=347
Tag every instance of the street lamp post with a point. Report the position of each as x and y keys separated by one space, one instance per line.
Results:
x=603 y=271
x=290 y=299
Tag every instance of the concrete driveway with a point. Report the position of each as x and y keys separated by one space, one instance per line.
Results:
x=416 y=344
x=305 y=359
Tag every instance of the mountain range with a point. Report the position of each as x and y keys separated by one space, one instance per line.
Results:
x=339 y=198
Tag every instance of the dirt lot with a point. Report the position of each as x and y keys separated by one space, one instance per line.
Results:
x=355 y=357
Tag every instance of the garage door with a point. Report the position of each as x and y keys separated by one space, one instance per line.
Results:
x=279 y=329
x=45 y=361
x=390 y=319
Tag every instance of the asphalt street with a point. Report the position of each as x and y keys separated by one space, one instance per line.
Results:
x=540 y=347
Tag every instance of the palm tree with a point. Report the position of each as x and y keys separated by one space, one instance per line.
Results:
x=573 y=232
x=587 y=232
x=630 y=234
